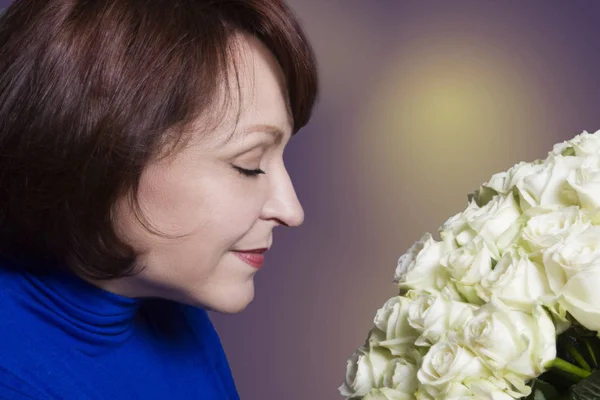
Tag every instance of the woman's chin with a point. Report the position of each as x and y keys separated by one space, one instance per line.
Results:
x=229 y=302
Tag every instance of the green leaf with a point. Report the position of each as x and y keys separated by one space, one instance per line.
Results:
x=587 y=389
x=541 y=390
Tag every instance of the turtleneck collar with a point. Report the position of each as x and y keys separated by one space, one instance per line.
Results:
x=95 y=318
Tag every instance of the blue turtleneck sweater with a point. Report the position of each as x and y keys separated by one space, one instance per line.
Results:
x=64 y=338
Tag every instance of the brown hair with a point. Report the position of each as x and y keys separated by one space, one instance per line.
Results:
x=91 y=91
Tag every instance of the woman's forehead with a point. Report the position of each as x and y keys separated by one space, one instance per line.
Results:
x=258 y=74
x=254 y=94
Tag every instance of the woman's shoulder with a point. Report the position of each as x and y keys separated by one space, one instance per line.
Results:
x=35 y=364
x=30 y=367
x=16 y=356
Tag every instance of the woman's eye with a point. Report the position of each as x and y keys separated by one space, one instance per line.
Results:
x=249 y=172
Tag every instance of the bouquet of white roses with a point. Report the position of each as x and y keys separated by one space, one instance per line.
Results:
x=505 y=304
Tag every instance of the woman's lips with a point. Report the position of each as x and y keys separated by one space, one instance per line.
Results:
x=255 y=260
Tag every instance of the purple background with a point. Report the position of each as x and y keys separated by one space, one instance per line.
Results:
x=421 y=102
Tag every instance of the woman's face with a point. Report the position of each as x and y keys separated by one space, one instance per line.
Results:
x=201 y=193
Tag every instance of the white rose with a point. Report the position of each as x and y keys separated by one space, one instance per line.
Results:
x=504 y=182
x=576 y=252
x=435 y=316
x=515 y=280
x=497 y=182
x=511 y=341
x=494 y=219
x=511 y=384
x=392 y=319
x=489 y=222
x=566 y=147
x=585 y=182
x=581 y=297
x=364 y=371
x=374 y=337
x=456 y=391
x=586 y=144
x=559 y=314
x=401 y=375
x=489 y=189
x=467 y=266
x=447 y=362
x=489 y=388
x=388 y=394
x=419 y=268
x=562 y=148
x=423 y=394
x=456 y=229
x=548 y=227
x=548 y=187
x=480 y=389
x=493 y=389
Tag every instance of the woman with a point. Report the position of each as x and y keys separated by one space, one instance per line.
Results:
x=141 y=178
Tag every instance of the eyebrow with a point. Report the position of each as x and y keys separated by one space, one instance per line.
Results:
x=270 y=129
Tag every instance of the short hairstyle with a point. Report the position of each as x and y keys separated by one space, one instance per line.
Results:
x=92 y=91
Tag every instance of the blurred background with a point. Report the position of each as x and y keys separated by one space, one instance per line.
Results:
x=421 y=102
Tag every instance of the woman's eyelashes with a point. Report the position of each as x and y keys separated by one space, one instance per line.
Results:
x=249 y=172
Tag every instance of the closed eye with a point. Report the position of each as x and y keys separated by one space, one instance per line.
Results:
x=249 y=172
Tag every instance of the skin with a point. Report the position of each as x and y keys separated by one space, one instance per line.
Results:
x=199 y=193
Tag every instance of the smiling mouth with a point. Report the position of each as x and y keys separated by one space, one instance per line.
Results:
x=255 y=260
